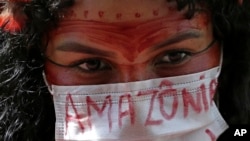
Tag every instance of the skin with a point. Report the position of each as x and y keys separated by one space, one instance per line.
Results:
x=101 y=42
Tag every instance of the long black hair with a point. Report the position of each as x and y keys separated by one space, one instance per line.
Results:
x=26 y=107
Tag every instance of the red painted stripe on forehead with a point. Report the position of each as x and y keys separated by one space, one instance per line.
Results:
x=163 y=22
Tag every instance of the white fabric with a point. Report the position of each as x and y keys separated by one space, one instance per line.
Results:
x=176 y=108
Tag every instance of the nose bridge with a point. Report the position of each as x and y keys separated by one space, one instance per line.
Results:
x=131 y=73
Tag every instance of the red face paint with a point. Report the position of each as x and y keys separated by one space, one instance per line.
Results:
x=119 y=16
x=101 y=13
x=137 y=15
x=131 y=38
x=86 y=12
x=135 y=38
x=155 y=12
x=71 y=14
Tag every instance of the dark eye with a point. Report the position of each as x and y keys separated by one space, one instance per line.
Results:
x=91 y=65
x=174 y=57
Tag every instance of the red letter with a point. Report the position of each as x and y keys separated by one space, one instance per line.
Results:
x=204 y=96
x=92 y=103
x=130 y=111
x=210 y=134
x=76 y=117
x=149 y=120
x=188 y=99
x=168 y=92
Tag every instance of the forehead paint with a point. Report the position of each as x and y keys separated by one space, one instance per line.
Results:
x=73 y=15
x=129 y=31
x=126 y=10
x=100 y=13
x=133 y=32
x=118 y=16
x=155 y=12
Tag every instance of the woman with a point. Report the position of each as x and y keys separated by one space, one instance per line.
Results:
x=136 y=68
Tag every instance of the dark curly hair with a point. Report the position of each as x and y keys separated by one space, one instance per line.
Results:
x=26 y=107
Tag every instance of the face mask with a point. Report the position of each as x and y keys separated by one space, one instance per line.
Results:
x=164 y=109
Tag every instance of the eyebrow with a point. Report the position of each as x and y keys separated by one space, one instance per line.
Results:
x=178 y=38
x=80 y=48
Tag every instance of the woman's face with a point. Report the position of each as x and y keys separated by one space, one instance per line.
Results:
x=99 y=42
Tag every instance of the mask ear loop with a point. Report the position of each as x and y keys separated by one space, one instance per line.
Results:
x=47 y=84
x=217 y=96
x=221 y=60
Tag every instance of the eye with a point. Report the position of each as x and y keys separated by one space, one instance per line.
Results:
x=92 y=65
x=173 y=57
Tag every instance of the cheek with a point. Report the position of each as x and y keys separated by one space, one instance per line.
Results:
x=205 y=61
x=56 y=75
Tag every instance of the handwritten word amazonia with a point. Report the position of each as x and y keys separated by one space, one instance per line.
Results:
x=126 y=105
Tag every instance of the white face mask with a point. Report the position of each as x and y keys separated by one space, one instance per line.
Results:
x=166 y=109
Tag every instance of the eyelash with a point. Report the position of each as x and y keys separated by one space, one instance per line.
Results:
x=178 y=57
x=98 y=64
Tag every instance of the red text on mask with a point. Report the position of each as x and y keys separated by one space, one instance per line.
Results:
x=196 y=101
